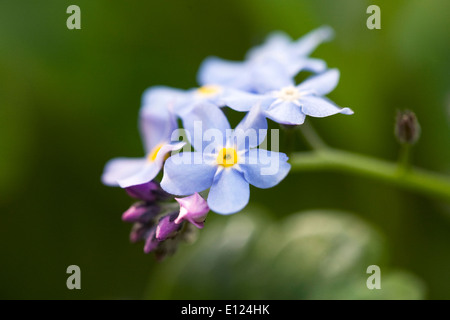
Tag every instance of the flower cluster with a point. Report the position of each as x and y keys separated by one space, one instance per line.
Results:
x=161 y=223
x=209 y=156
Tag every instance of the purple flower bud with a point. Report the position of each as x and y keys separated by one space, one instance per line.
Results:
x=141 y=212
x=151 y=243
x=167 y=227
x=193 y=209
x=139 y=232
x=149 y=191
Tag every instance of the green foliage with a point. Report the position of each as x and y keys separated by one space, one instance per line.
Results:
x=318 y=254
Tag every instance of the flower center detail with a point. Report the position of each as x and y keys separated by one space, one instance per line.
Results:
x=154 y=153
x=290 y=94
x=209 y=90
x=227 y=157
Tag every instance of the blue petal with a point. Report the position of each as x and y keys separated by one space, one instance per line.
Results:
x=186 y=173
x=252 y=130
x=321 y=107
x=157 y=120
x=192 y=98
x=270 y=75
x=222 y=72
x=148 y=172
x=309 y=42
x=156 y=127
x=229 y=193
x=307 y=64
x=150 y=169
x=321 y=84
x=277 y=42
x=120 y=168
x=285 y=113
x=291 y=56
x=265 y=169
x=161 y=97
x=203 y=120
x=240 y=100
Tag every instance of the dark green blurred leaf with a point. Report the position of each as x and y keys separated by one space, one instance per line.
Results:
x=310 y=255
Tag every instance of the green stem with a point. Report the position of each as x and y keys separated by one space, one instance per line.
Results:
x=414 y=179
x=404 y=158
x=289 y=142
x=311 y=137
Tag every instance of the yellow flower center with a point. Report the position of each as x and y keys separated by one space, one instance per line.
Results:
x=154 y=153
x=208 y=90
x=227 y=157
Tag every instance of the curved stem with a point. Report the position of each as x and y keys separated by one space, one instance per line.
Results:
x=311 y=137
x=289 y=142
x=414 y=179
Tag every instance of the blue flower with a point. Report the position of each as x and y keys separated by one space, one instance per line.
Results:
x=291 y=104
x=163 y=105
x=269 y=66
x=227 y=165
x=157 y=121
x=179 y=101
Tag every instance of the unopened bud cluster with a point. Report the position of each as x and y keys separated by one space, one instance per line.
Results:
x=160 y=221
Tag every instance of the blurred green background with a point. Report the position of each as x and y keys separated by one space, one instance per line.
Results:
x=69 y=101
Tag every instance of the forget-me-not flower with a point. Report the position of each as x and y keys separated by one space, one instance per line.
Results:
x=181 y=101
x=291 y=104
x=157 y=121
x=268 y=66
x=227 y=165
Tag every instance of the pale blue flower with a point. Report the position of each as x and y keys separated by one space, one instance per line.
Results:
x=157 y=121
x=269 y=66
x=291 y=104
x=227 y=165
x=179 y=101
